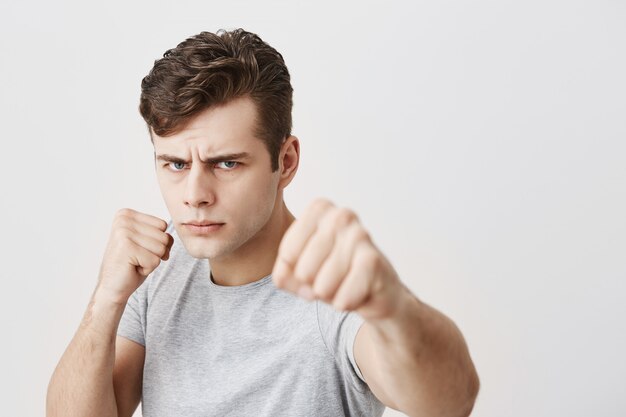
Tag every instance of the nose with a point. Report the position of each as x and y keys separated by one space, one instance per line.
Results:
x=198 y=189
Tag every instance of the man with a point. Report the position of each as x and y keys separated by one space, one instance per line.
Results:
x=252 y=312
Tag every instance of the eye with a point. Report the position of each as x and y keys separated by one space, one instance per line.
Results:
x=228 y=165
x=177 y=166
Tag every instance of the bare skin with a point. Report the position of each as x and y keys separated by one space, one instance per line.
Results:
x=215 y=170
x=82 y=383
x=99 y=374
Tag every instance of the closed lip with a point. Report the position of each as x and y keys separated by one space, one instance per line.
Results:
x=202 y=223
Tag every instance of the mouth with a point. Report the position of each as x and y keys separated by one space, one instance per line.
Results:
x=202 y=223
x=203 y=228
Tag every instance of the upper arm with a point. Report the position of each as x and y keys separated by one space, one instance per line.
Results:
x=128 y=375
x=366 y=362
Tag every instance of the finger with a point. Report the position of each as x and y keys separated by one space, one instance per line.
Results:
x=145 y=261
x=296 y=237
x=144 y=218
x=320 y=244
x=151 y=231
x=357 y=286
x=282 y=276
x=337 y=265
x=157 y=247
x=170 y=243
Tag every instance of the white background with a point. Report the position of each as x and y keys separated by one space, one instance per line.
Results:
x=481 y=143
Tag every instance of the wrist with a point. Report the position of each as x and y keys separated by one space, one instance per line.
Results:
x=405 y=313
x=107 y=297
x=103 y=314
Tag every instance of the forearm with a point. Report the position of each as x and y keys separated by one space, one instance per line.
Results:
x=423 y=362
x=82 y=383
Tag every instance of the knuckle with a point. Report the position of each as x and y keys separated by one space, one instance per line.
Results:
x=163 y=249
x=124 y=212
x=345 y=216
x=287 y=253
x=336 y=218
x=371 y=260
x=301 y=274
x=120 y=233
x=321 y=203
x=164 y=238
x=121 y=221
x=280 y=280
x=162 y=225
x=324 y=293
x=339 y=220
x=160 y=251
x=360 y=233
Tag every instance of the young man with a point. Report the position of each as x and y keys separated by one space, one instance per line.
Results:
x=252 y=312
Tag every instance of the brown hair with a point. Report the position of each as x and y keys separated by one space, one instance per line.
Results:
x=211 y=69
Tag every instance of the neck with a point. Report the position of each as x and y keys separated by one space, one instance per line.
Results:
x=256 y=258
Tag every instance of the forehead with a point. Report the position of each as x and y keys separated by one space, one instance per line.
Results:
x=230 y=126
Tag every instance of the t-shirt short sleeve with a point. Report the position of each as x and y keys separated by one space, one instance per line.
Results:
x=338 y=330
x=133 y=322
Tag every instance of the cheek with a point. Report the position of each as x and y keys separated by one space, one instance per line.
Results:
x=266 y=189
x=258 y=195
x=168 y=191
x=249 y=197
x=172 y=198
x=256 y=185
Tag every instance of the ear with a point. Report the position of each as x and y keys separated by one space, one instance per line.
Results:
x=288 y=160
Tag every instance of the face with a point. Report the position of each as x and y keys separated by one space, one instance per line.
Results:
x=216 y=171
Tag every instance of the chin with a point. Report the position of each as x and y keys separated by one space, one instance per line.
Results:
x=208 y=248
x=202 y=249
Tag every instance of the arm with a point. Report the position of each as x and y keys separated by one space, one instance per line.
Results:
x=413 y=358
x=82 y=383
x=416 y=361
x=94 y=368
x=128 y=375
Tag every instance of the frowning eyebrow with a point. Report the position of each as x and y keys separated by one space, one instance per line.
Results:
x=213 y=160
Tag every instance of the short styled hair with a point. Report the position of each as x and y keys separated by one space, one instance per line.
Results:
x=211 y=69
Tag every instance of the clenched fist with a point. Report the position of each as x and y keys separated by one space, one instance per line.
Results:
x=137 y=244
x=328 y=255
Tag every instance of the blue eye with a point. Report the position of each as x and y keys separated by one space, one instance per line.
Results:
x=229 y=165
x=177 y=165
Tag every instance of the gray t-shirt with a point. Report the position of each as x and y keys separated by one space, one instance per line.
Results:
x=248 y=350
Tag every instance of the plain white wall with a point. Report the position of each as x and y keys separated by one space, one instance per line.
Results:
x=482 y=144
